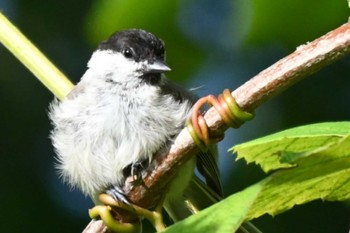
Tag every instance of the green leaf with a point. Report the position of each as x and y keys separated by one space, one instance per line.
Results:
x=322 y=172
x=283 y=149
x=225 y=216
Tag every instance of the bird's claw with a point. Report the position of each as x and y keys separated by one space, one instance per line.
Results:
x=118 y=194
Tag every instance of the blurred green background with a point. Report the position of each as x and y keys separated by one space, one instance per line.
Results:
x=212 y=44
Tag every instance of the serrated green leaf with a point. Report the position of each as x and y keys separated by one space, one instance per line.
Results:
x=324 y=173
x=283 y=149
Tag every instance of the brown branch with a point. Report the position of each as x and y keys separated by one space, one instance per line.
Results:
x=306 y=60
x=95 y=227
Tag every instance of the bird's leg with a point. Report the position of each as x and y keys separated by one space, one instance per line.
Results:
x=136 y=172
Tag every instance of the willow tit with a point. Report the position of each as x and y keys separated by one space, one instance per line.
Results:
x=122 y=112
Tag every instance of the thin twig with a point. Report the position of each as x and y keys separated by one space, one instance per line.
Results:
x=33 y=59
x=306 y=60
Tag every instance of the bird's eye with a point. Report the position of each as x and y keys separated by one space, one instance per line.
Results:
x=127 y=53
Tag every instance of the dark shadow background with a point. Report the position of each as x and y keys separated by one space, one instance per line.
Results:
x=212 y=44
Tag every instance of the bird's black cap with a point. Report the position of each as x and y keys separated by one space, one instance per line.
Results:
x=135 y=44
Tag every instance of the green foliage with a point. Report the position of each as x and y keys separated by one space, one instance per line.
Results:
x=225 y=216
x=298 y=21
x=278 y=150
x=310 y=162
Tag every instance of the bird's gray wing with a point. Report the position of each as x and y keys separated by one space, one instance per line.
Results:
x=207 y=162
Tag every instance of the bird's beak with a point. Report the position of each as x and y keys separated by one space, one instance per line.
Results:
x=157 y=67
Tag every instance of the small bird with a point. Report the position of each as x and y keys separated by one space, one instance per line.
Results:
x=121 y=113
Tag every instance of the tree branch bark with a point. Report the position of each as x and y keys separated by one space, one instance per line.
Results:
x=306 y=60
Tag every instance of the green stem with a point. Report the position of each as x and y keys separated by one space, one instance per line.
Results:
x=104 y=212
x=33 y=59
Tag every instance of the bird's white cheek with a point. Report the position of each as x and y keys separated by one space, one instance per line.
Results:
x=108 y=61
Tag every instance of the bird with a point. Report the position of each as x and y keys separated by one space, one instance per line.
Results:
x=120 y=114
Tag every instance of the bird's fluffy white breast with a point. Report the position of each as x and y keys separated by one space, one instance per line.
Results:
x=104 y=129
